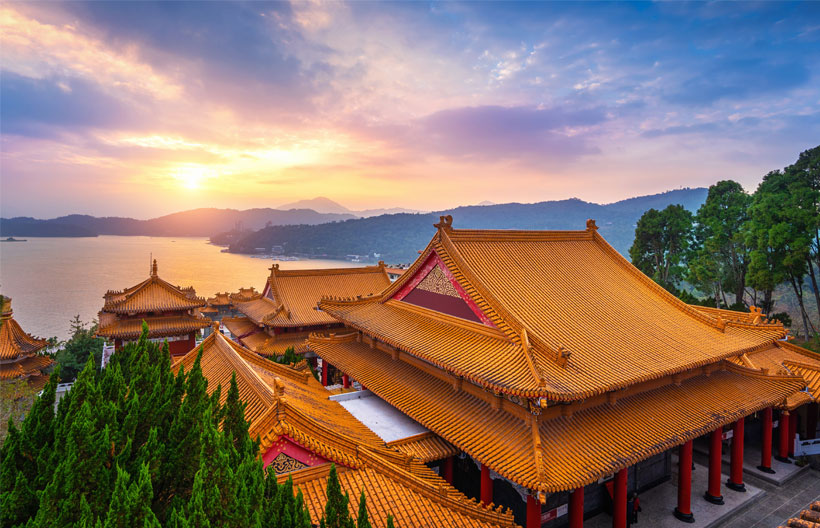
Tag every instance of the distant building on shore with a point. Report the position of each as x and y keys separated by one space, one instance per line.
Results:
x=172 y=314
x=19 y=352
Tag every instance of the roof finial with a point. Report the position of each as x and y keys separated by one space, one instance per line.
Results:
x=591 y=225
x=446 y=222
x=154 y=268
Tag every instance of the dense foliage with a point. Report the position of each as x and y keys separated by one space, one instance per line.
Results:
x=137 y=446
x=74 y=352
x=740 y=244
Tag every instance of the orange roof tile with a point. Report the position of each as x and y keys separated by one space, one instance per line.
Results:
x=276 y=345
x=244 y=294
x=425 y=447
x=570 y=451
x=220 y=299
x=14 y=342
x=282 y=401
x=240 y=326
x=151 y=295
x=784 y=357
x=157 y=326
x=290 y=296
x=24 y=367
x=568 y=316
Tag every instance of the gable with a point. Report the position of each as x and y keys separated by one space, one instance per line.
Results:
x=434 y=287
x=285 y=455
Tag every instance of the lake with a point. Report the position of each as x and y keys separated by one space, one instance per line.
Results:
x=53 y=279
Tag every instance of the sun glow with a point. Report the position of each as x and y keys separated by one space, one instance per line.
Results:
x=192 y=176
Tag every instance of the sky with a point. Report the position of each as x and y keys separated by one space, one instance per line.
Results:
x=141 y=109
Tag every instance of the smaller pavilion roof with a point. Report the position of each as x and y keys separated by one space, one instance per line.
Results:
x=152 y=295
x=220 y=299
x=284 y=402
x=290 y=297
x=14 y=341
x=157 y=326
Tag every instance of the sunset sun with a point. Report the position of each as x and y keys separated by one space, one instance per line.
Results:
x=191 y=177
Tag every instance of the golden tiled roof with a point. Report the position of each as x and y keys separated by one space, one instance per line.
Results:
x=412 y=502
x=809 y=518
x=14 y=342
x=152 y=295
x=276 y=345
x=157 y=326
x=569 y=445
x=426 y=447
x=784 y=357
x=240 y=326
x=290 y=296
x=244 y=294
x=220 y=299
x=24 y=367
x=571 y=318
x=282 y=401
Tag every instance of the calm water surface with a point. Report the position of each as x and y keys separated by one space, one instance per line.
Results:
x=53 y=279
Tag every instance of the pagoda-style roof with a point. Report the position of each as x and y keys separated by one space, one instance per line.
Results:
x=18 y=351
x=290 y=296
x=166 y=326
x=564 y=446
x=785 y=358
x=244 y=294
x=289 y=407
x=553 y=314
x=220 y=299
x=152 y=295
x=14 y=342
x=258 y=340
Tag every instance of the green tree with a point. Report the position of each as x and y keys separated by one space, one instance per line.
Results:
x=362 y=520
x=662 y=241
x=337 y=514
x=720 y=259
x=75 y=351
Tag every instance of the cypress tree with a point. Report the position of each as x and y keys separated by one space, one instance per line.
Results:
x=361 y=520
x=337 y=514
x=390 y=521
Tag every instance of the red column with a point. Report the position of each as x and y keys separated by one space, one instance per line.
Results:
x=684 y=508
x=533 y=512
x=619 y=500
x=486 y=485
x=447 y=470
x=766 y=442
x=715 y=453
x=325 y=368
x=735 y=481
x=576 y=508
x=783 y=448
x=792 y=433
x=345 y=381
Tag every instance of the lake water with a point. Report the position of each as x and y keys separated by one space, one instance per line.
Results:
x=53 y=279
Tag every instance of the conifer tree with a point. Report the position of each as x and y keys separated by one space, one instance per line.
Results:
x=337 y=514
x=361 y=520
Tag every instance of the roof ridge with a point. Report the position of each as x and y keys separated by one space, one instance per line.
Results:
x=324 y=271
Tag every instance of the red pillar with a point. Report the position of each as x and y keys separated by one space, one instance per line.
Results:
x=576 y=508
x=619 y=500
x=735 y=481
x=486 y=485
x=325 y=368
x=345 y=381
x=783 y=448
x=792 y=433
x=447 y=470
x=715 y=453
x=533 y=512
x=766 y=442
x=683 y=511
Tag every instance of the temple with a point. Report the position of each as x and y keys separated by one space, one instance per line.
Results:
x=285 y=312
x=19 y=358
x=563 y=374
x=171 y=312
x=302 y=431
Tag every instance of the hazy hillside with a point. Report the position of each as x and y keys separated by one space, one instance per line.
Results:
x=398 y=237
x=326 y=205
x=197 y=222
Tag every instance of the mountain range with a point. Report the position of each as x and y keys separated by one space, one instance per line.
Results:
x=397 y=238
x=320 y=204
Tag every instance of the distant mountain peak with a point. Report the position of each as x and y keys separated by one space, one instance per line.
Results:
x=320 y=204
x=486 y=202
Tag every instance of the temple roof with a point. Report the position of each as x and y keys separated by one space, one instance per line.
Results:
x=114 y=328
x=14 y=342
x=256 y=339
x=556 y=314
x=786 y=358
x=290 y=296
x=220 y=299
x=285 y=403
x=567 y=445
x=152 y=295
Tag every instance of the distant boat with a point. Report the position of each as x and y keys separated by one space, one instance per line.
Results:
x=12 y=239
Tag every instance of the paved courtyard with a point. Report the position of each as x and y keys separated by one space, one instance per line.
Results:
x=779 y=503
